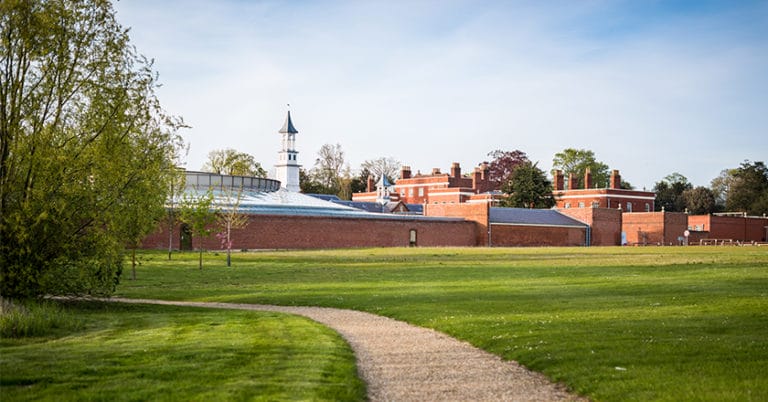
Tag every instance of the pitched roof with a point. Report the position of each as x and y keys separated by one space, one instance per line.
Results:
x=288 y=126
x=532 y=217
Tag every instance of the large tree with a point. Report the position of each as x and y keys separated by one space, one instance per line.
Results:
x=699 y=200
x=328 y=168
x=528 y=187
x=231 y=162
x=749 y=190
x=84 y=146
x=503 y=163
x=577 y=161
x=669 y=193
x=389 y=167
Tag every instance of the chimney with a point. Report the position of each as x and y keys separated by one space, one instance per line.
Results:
x=572 y=181
x=587 y=179
x=476 y=178
x=559 y=180
x=484 y=171
x=455 y=170
x=370 y=185
x=435 y=171
x=405 y=172
x=615 y=179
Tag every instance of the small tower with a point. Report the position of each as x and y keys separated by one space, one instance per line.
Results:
x=287 y=167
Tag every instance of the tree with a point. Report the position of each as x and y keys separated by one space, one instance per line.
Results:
x=669 y=193
x=308 y=184
x=84 y=146
x=230 y=218
x=577 y=161
x=231 y=162
x=197 y=211
x=699 y=200
x=389 y=167
x=502 y=165
x=721 y=186
x=327 y=169
x=749 y=190
x=528 y=187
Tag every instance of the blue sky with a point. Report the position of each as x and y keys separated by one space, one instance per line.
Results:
x=652 y=87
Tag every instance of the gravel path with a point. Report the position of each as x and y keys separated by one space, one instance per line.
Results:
x=401 y=362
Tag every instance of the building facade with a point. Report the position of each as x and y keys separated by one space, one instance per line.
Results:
x=591 y=197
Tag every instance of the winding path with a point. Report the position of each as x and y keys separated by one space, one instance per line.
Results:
x=402 y=362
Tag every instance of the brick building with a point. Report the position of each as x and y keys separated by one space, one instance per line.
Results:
x=438 y=187
x=612 y=196
x=729 y=226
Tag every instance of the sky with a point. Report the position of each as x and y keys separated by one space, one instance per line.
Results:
x=651 y=87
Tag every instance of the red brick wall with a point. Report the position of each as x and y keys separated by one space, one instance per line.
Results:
x=605 y=198
x=296 y=232
x=731 y=227
x=605 y=224
x=476 y=213
x=515 y=236
x=654 y=227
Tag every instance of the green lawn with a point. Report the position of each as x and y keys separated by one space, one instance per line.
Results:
x=611 y=323
x=141 y=352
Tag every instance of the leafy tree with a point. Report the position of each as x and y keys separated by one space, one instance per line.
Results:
x=308 y=184
x=749 y=190
x=669 y=193
x=230 y=218
x=502 y=165
x=528 y=187
x=327 y=169
x=84 y=147
x=176 y=184
x=196 y=210
x=721 y=185
x=577 y=161
x=231 y=162
x=389 y=167
x=359 y=183
x=699 y=200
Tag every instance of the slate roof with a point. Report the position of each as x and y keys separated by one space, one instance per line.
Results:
x=288 y=126
x=533 y=217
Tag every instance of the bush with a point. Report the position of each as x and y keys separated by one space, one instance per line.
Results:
x=30 y=318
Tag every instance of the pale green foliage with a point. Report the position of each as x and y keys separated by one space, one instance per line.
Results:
x=576 y=161
x=85 y=147
x=229 y=219
x=231 y=162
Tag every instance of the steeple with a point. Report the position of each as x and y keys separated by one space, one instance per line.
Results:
x=287 y=167
x=288 y=127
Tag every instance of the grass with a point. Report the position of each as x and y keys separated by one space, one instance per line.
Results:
x=611 y=323
x=139 y=352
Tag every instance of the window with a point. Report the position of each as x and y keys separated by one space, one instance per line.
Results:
x=595 y=204
x=421 y=191
x=412 y=238
x=647 y=207
x=581 y=204
x=567 y=204
x=629 y=207
x=410 y=192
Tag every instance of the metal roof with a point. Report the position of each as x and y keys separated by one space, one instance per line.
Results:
x=532 y=217
x=288 y=126
x=284 y=202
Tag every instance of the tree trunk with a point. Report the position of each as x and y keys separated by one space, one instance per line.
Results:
x=201 y=258
x=133 y=264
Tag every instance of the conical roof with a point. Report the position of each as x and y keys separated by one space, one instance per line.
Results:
x=288 y=126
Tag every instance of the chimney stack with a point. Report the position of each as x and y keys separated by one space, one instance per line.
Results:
x=405 y=172
x=455 y=170
x=615 y=179
x=559 y=180
x=435 y=171
x=370 y=185
x=587 y=178
x=572 y=181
